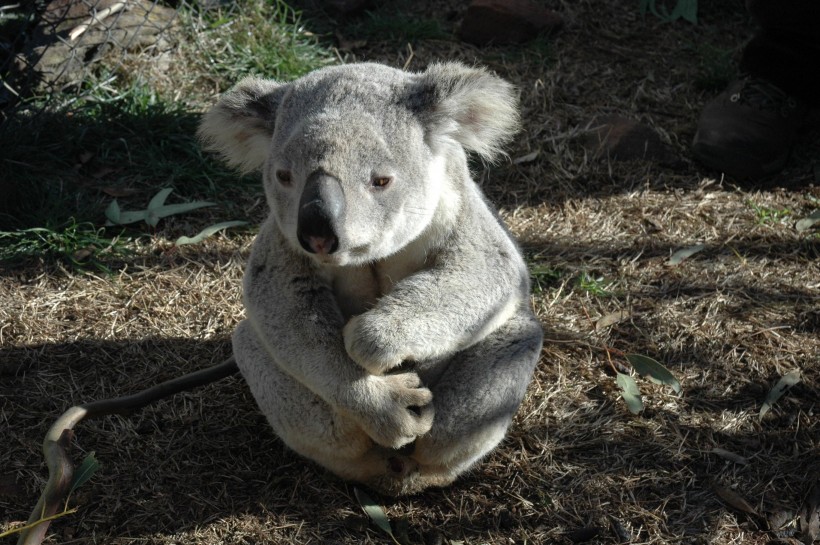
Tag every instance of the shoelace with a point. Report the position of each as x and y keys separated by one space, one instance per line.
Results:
x=763 y=95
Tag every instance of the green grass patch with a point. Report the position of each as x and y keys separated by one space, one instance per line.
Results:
x=254 y=37
x=78 y=245
x=596 y=286
x=766 y=215
x=543 y=277
x=69 y=164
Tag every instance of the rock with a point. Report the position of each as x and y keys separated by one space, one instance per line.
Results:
x=620 y=138
x=74 y=34
x=506 y=21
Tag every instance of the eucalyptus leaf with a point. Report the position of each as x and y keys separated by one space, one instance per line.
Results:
x=374 y=511
x=157 y=209
x=685 y=253
x=124 y=218
x=159 y=199
x=733 y=499
x=657 y=373
x=172 y=209
x=132 y=217
x=87 y=468
x=806 y=223
x=686 y=9
x=151 y=218
x=612 y=319
x=528 y=158
x=207 y=232
x=783 y=385
x=630 y=392
x=112 y=212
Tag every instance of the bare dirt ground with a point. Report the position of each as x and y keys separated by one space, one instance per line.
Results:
x=578 y=466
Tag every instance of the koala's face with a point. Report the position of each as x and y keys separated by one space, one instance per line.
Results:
x=350 y=178
x=356 y=158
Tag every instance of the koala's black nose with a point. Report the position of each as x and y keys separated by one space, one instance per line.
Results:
x=320 y=207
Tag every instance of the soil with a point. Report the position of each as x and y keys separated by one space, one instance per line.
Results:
x=577 y=466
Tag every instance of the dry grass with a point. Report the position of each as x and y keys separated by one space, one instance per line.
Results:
x=205 y=468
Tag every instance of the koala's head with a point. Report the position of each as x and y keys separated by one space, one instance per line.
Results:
x=355 y=159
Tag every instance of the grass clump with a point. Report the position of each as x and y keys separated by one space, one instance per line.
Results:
x=596 y=286
x=67 y=164
x=79 y=245
x=254 y=37
x=766 y=215
x=129 y=129
x=543 y=277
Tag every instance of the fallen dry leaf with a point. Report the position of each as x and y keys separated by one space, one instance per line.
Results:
x=810 y=515
x=611 y=319
x=83 y=253
x=733 y=499
x=528 y=158
x=782 y=523
x=731 y=456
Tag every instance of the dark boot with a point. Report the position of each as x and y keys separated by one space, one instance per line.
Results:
x=747 y=131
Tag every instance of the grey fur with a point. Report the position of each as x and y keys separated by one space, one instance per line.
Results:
x=399 y=357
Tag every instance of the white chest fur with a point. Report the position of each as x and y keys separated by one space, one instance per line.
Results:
x=358 y=288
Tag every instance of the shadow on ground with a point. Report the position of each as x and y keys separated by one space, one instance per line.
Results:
x=208 y=455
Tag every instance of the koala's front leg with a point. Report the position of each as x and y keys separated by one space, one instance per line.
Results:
x=474 y=286
x=294 y=320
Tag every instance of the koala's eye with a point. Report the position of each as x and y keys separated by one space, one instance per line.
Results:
x=381 y=181
x=283 y=176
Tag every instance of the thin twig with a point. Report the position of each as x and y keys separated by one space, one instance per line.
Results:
x=58 y=441
x=95 y=18
x=409 y=57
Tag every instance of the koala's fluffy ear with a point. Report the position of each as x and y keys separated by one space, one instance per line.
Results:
x=241 y=124
x=469 y=105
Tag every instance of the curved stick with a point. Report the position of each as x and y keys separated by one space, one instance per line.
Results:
x=58 y=439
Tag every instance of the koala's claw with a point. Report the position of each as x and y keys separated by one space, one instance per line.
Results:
x=398 y=410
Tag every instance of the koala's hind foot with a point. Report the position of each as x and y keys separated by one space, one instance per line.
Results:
x=476 y=396
x=405 y=476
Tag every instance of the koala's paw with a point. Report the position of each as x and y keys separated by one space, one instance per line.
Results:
x=397 y=409
x=368 y=343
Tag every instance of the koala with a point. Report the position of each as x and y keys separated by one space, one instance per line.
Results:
x=389 y=334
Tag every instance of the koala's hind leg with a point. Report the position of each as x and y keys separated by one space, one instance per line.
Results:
x=301 y=419
x=475 y=398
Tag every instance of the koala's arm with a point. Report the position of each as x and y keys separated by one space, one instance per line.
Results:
x=297 y=323
x=474 y=284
